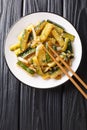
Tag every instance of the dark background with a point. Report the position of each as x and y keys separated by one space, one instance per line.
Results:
x=26 y=108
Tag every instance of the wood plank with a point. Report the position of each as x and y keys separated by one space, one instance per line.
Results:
x=74 y=110
x=10 y=11
x=74 y=106
x=40 y=109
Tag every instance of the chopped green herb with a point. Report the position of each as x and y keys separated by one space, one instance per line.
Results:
x=54 y=47
x=69 y=47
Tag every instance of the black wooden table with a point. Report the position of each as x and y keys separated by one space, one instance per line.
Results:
x=26 y=108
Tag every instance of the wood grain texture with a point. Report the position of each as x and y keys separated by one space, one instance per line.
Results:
x=26 y=108
x=74 y=106
x=10 y=11
x=42 y=107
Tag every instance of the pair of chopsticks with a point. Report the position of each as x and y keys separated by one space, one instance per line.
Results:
x=66 y=73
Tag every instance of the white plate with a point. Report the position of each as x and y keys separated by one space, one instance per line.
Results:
x=11 y=59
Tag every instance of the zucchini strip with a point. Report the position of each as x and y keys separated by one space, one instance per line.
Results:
x=24 y=39
x=46 y=31
x=65 y=44
x=28 y=52
x=40 y=27
x=59 y=26
x=37 y=66
x=18 y=51
x=59 y=30
x=58 y=38
x=14 y=46
x=25 y=67
x=56 y=73
x=68 y=35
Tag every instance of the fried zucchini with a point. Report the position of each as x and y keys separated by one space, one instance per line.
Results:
x=56 y=73
x=40 y=27
x=24 y=39
x=68 y=35
x=27 y=69
x=58 y=38
x=15 y=46
x=46 y=31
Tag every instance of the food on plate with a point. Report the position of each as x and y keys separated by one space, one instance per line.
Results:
x=30 y=52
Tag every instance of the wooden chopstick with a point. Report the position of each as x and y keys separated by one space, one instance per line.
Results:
x=65 y=72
